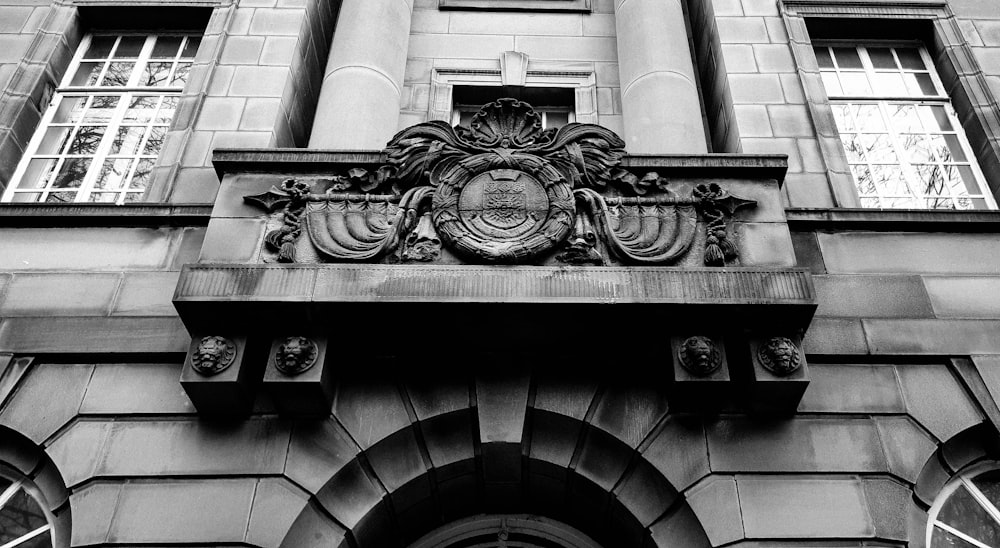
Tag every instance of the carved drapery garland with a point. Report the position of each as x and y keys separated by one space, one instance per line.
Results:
x=501 y=191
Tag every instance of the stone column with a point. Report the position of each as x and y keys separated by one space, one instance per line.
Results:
x=359 y=104
x=660 y=103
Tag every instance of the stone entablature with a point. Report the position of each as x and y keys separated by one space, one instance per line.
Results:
x=449 y=223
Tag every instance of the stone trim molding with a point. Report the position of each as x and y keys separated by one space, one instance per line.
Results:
x=78 y=215
x=955 y=63
x=887 y=220
x=578 y=6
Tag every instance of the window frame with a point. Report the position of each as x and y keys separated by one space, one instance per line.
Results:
x=126 y=93
x=885 y=101
x=21 y=483
x=963 y=479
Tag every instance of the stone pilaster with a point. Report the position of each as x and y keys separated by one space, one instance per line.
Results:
x=359 y=105
x=660 y=104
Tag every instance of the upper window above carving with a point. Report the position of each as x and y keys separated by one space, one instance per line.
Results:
x=581 y=6
x=903 y=141
x=965 y=514
x=100 y=136
x=554 y=105
x=24 y=522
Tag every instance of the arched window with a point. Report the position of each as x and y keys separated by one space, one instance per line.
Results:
x=24 y=521
x=965 y=513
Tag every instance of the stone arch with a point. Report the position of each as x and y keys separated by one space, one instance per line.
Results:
x=585 y=453
x=968 y=448
x=23 y=458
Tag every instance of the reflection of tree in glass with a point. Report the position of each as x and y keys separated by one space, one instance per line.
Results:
x=86 y=140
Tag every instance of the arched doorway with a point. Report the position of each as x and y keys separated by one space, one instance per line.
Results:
x=506 y=531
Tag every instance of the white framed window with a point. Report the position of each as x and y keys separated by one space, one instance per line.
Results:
x=99 y=138
x=903 y=141
x=965 y=513
x=24 y=521
x=554 y=105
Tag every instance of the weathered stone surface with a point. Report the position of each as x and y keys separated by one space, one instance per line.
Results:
x=835 y=388
x=448 y=438
x=33 y=412
x=630 y=412
x=78 y=450
x=129 y=388
x=431 y=398
x=803 y=507
x=797 y=445
x=93 y=334
x=146 y=294
x=350 y=495
x=553 y=437
x=680 y=527
x=54 y=294
x=717 y=504
x=835 y=336
x=887 y=502
x=396 y=459
x=933 y=337
x=144 y=448
x=679 y=451
x=930 y=253
x=964 y=296
x=646 y=493
x=872 y=296
x=905 y=444
x=602 y=459
x=936 y=400
x=192 y=511
x=370 y=411
x=276 y=505
x=565 y=396
x=317 y=451
x=93 y=508
x=84 y=248
x=501 y=403
x=313 y=529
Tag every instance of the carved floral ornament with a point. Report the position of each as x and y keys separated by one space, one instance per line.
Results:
x=502 y=191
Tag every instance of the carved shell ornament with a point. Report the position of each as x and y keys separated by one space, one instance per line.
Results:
x=700 y=356
x=502 y=190
x=779 y=355
x=296 y=355
x=213 y=355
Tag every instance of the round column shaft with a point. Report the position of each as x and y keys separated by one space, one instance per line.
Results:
x=359 y=104
x=660 y=103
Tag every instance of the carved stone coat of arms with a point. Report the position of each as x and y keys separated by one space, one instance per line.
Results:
x=501 y=191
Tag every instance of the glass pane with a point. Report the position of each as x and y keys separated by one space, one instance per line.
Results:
x=931 y=180
x=969 y=178
x=21 y=515
x=855 y=83
x=853 y=147
x=127 y=140
x=87 y=73
x=863 y=180
x=133 y=197
x=878 y=148
x=935 y=118
x=101 y=108
x=847 y=57
x=167 y=107
x=889 y=180
x=939 y=203
x=556 y=119
x=888 y=83
x=113 y=174
x=70 y=109
x=141 y=176
x=23 y=197
x=38 y=172
x=870 y=118
x=870 y=202
x=191 y=48
x=952 y=148
x=166 y=47
x=86 y=140
x=917 y=147
x=61 y=197
x=842 y=114
x=117 y=74
x=919 y=83
x=155 y=140
x=156 y=74
x=130 y=46
x=103 y=197
x=957 y=181
x=904 y=118
x=71 y=173
x=910 y=58
x=181 y=74
x=988 y=483
x=823 y=57
x=54 y=140
x=831 y=83
x=41 y=541
x=100 y=47
x=882 y=58
x=141 y=108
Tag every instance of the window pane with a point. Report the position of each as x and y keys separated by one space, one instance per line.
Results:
x=882 y=58
x=118 y=73
x=823 y=57
x=831 y=83
x=989 y=483
x=20 y=516
x=842 y=114
x=878 y=148
x=127 y=140
x=113 y=174
x=141 y=108
x=962 y=512
x=920 y=83
x=854 y=148
x=71 y=173
x=86 y=140
x=910 y=58
x=904 y=118
x=70 y=109
x=191 y=47
x=61 y=197
x=41 y=541
x=847 y=57
x=87 y=73
x=102 y=108
x=855 y=83
x=100 y=47
x=889 y=180
x=38 y=172
x=55 y=140
x=934 y=118
x=130 y=46
x=156 y=74
x=889 y=83
x=863 y=180
x=166 y=47
x=180 y=74
x=141 y=176
x=154 y=141
x=166 y=112
x=870 y=118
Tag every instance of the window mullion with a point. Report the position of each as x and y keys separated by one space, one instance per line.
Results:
x=945 y=527
x=26 y=537
x=982 y=499
x=100 y=155
x=905 y=167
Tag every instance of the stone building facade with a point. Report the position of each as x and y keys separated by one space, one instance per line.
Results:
x=731 y=280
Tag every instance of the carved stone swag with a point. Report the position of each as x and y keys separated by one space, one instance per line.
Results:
x=500 y=192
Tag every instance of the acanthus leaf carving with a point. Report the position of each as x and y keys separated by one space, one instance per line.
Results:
x=501 y=191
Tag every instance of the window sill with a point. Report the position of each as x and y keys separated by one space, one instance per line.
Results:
x=893 y=220
x=17 y=215
x=577 y=6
